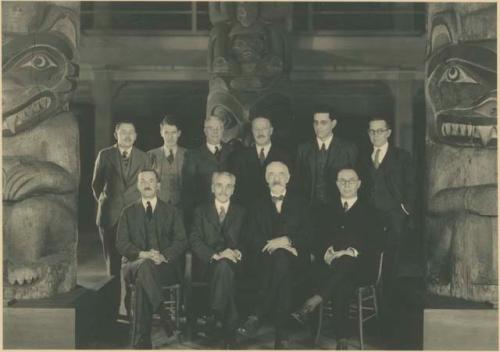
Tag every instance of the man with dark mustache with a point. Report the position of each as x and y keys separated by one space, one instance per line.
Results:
x=114 y=187
x=151 y=238
x=276 y=235
x=249 y=164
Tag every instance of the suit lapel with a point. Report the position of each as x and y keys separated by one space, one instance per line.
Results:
x=206 y=153
x=332 y=151
x=213 y=214
x=228 y=223
x=134 y=168
x=312 y=161
x=115 y=160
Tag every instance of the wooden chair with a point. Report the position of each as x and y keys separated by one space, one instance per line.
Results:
x=363 y=308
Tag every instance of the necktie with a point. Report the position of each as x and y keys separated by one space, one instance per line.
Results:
x=222 y=214
x=125 y=158
x=376 y=158
x=217 y=153
x=323 y=147
x=277 y=198
x=149 y=211
x=170 y=157
x=262 y=156
x=346 y=207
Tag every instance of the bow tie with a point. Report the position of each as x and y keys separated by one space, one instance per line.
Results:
x=277 y=198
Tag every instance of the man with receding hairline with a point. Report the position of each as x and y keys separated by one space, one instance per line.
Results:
x=249 y=164
x=114 y=187
x=276 y=238
x=215 y=240
x=151 y=238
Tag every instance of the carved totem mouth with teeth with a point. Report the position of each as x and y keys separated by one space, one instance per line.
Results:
x=38 y=79
x=462 y=92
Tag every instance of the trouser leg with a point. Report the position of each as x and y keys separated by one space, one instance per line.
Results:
x=222 y=302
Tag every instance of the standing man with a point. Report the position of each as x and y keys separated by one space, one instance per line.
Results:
x=276 y=240
x=344 y=253
x=210 y=157
x=215 y=238
x=168 y=161
x=114 y=187
x=151 y=239
x=389 y=184
x=319 y=161
x=250 y=163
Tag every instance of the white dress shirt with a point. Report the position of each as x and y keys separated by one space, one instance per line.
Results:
x=167 y=151
x=383 y=152
x=326 y=142
x=279 y=203
x=153 y=202
x=128 y=150
x=219 y=205
x=212 y=147
x=350 y=202
x=267 y=148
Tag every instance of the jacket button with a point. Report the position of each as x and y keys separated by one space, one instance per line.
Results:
x=342 y=226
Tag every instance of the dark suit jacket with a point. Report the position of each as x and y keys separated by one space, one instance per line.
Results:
x=131 y=232
x=399 y=176
x=250 y=174
x=259 y=225
x=357 y=228
x=341 y=153
x=200 y=166
x=208 y=236
x=113 y=190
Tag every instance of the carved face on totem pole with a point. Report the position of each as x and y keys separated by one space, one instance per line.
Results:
x=40 y=149
x=461 y=143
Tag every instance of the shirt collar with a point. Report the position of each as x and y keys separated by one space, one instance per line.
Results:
x=211 y=147
x=218 y=205
x=383 y=148
x=266 y=149
x=152 y=201
x=350 y=201
x=278 y=195
x=327 y=142
x=128 y=150
x=167 y=150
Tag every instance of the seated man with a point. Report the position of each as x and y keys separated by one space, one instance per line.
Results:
x=342 y=252
x=151 y=238
x=214 y=238
x=277 y=232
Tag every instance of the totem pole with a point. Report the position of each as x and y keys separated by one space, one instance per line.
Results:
x=40 y=148
x=461 y=219
x=248 y=63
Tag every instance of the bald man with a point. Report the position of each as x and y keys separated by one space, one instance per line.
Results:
x=278 y=230
x=211 y=157
x=249 y=164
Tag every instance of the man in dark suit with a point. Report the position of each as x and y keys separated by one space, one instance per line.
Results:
x=211 y=157
x=114 y=187
x=318 y=161
x=249 y=164
x=214 y=238
x=169 y=161
x=389 y=184
x=277 y=233
x=344 y=252
x=151 y=238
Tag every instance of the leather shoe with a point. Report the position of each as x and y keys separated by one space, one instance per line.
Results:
x=143 y=344
x=167 y=323
x=342 y=344
x=250 y=327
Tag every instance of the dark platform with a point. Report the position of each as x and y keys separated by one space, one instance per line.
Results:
x=69 y=320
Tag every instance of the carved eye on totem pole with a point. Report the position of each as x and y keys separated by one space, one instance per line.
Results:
x=461 y=89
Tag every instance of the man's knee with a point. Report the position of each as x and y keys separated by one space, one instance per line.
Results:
x=281 y=260
x=145 y=270
x=224 y=267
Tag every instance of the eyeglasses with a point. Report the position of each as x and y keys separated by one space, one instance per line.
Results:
x=351 y=182
x=377 y=131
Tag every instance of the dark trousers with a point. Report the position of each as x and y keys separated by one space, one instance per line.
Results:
x=148 y=279
x=391 y=299
x=113 y=265
x=337 y=282
x=222 y=302
x=275 y=294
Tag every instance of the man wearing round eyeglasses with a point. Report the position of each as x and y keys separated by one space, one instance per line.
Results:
x=344 y=253
x=389 y=184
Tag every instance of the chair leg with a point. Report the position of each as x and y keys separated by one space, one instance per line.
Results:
x=375 y=303
x=133 y=327
x=177 y=306
x=360 y=319
x=320 y=324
